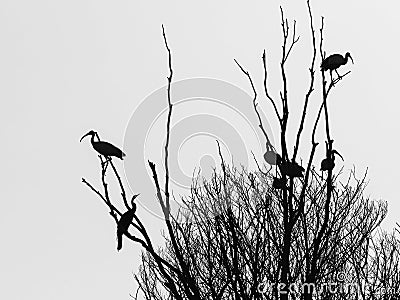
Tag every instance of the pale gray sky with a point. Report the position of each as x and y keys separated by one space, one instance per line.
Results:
x=70 y=66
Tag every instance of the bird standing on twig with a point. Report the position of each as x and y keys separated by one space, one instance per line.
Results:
x=104 y=148
x=329 y=162
x=125 y=221
x=334 y=61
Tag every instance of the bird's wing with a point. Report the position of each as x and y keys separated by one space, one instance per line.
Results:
x=331 y=61
x=125 y=221
x=108 y=148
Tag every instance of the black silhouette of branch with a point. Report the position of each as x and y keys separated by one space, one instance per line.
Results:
x=266 y=89
x=188 y=282
x=168 y=124
x=106 y=200
x=223 y=166
x=311 y=87
x=123 y=194
x=255 y=104
x=284 y=93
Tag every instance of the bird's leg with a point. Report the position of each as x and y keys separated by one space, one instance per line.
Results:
x=340 y=77
x=330 y=72
x=103 y=163
x=107 y=161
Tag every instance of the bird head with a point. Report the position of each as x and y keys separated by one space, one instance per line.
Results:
x=133 y=200
x=91 y=133
x=348 y=55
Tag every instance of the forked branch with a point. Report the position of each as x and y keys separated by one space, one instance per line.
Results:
x=255 y=104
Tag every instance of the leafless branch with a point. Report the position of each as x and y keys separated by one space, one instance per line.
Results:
x=266 y=89
x=123 y=195
x=255 y=104
x=311 y=87
x=294 y=41
x=169 y=78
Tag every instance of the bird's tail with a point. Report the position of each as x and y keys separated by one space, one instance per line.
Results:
x=123 y=155
x=119 y=239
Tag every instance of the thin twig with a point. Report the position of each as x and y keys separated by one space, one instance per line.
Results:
x=266 y=89
x=258 y=166
x=284 y=94
x=120 y=185
x=294 y=41
x=255 y=104
x=222 y=162
x=158 y=190
x=311 y=88
x=169 y=78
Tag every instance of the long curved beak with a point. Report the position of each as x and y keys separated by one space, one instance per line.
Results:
x=351 y=59
x=84 y=136
x=335 y=152
x=134 y=197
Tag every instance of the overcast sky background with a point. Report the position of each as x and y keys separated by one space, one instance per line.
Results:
x=70 y=66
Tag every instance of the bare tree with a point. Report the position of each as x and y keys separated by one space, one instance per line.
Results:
x=254 y=234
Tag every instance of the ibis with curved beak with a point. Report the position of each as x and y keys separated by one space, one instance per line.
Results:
x=104 y=148
x=334 y=61
x=329 y=162
x=125 y=221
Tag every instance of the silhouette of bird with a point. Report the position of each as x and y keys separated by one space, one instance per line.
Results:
x=329 y=162
x=104 y=148
x=279 y=183
x=291 y=169
x=272 y=157
x=334 y=61
x=125 y=221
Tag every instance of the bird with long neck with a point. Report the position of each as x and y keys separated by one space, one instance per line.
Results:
x=124 y=222
x=334 y=61
x=104 y=148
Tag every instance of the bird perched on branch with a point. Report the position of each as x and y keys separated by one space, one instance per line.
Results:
x=329 y=162
x=125 y=221
x=104 y=148
x=334 y=61
x=291 y=169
